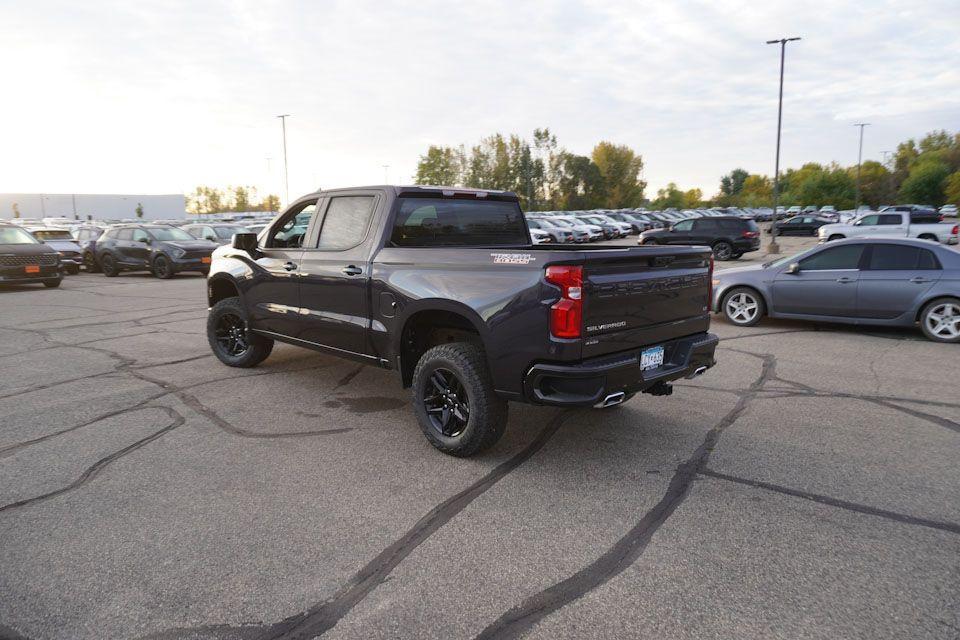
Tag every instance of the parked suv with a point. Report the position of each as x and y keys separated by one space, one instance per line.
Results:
x=162 y=249
x=87 y=239
x=62 y=242
x=24 y=259
x=730 y=237
x=218 y=232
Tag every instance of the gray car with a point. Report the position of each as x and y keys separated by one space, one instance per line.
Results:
x=865 y=281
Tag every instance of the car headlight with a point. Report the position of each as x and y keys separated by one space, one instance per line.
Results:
x=177 y=253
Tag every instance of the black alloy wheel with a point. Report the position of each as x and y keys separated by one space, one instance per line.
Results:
x=447 y=403
x=231 y=335
x=162 y=268
x=108 y=266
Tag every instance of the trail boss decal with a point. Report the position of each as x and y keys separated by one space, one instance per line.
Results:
x=512 y=258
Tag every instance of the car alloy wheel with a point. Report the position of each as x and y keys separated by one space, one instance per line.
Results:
x=446 y=403
x=742 y=307
x=231 y=334
x=722 y=251
x=943 y=321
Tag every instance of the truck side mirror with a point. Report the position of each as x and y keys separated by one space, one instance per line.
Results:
x=245 y=242
x=794 y=268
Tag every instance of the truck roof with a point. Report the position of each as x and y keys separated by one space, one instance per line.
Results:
x=435 y=192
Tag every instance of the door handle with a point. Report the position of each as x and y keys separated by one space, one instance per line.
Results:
x=352 y=270
x=289 y=266
x=919 y=280
x=845 y=280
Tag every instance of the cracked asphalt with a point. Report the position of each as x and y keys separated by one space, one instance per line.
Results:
x=806 y=487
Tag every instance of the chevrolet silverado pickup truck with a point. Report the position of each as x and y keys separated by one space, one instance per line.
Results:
x=892 y=224
x=444 y=286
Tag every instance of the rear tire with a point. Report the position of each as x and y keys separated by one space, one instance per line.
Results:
x=230 y=338
x=722 y=250
x=927 y=236
x=52 y=283
x=90 y=263
x=836 y=236
x=455 y=402
x=743 y=306
x=108 y=264
x=940 y=320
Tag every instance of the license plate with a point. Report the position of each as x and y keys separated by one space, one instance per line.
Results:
x=32 y=268
x=651 y=358
x=205 y=260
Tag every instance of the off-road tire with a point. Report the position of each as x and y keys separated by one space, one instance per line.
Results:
x=487 y=411
x=259 y=347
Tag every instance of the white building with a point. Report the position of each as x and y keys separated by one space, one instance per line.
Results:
x=86 y=206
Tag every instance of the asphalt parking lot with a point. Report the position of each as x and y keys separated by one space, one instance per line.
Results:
x=806 y=487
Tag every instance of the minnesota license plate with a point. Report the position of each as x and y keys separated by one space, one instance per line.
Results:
x=651 y=358
x=32 y=268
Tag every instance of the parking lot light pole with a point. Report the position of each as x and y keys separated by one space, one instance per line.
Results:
x=286 y=174
x=773 y=247
x=856 y=207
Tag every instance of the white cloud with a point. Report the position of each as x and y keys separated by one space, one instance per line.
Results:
x=161 y=96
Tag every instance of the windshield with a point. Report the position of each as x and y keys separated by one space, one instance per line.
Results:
x=169 y=233
x=227 y=232
x=52 y=234
x=13 y=235
x=785 y=261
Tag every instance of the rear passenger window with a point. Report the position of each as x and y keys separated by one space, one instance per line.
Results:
x=894 y=257
x=345 y=224
x=125 y=234
x=706 y=225
x=888 y=218
x=846 y=257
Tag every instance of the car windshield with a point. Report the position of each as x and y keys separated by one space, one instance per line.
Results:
x=169 y=233
x=227 y=232
x=52 y=234
x=14 y=235
x=785 y=261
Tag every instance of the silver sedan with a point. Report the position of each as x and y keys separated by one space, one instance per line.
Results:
x=864 y=281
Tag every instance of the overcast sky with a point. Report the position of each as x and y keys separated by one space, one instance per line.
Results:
x=158 y=97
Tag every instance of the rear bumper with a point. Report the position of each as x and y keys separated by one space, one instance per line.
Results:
x=588 y=382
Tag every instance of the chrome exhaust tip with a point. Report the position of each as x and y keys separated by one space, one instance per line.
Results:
x=697 y=372
x=610 y=400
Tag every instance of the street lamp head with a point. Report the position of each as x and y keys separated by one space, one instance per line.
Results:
x=284 y=115
x=782 y=40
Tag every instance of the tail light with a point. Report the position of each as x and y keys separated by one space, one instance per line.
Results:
x=567 y=313
x=710 y=286
x=751 y=234
x=956 y=229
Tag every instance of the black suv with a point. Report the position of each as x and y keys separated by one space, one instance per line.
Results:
x=729 y=237
x=24 y=259
x=162 y=249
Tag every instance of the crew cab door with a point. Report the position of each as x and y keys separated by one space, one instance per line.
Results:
x=335 y=274
x=894 y=280
x=825 y=285
x=273 y=294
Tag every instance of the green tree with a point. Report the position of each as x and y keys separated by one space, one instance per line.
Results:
x=270 y=203
x=441 y=166
x=671 y=196
x=139 y=210
x=926 y=183
x=579 y=183
x=814 y=184
x=732 y=183
x=620 y=169
x=876 y=183
x=692 y=199
x=951 y=191
x=756 y=191
x=241 y=197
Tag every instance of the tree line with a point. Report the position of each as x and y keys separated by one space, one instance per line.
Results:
x=204 y=200
x=546 y=176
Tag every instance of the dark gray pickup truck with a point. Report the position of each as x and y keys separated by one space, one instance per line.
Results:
x=444 y=286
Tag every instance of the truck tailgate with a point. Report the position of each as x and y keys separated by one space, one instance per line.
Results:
x=650 y=295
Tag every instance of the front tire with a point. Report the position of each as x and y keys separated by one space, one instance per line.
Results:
x=73 y=269
x=90 y=262
x=108 y=265
x=940 y=320
x=162 y=268
x=743 y=306
x=230 y=338
x=455 y=402
x=722 y=250
x=52 y=283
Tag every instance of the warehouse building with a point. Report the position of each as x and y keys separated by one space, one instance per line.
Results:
x=87 y=206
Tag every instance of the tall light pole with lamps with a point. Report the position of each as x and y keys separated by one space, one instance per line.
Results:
x=773 y=247
x=286 y=174
x=856 y=206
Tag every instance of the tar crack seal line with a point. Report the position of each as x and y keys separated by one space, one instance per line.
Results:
x=520 y=619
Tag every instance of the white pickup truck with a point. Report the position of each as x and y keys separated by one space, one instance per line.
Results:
x=893 y=224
